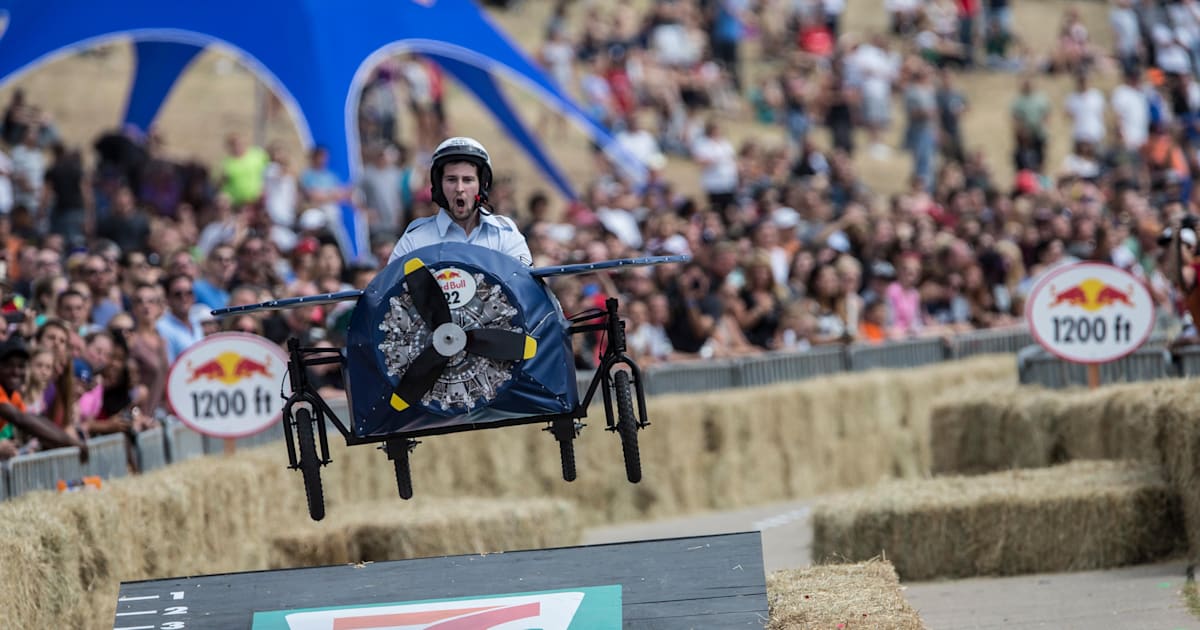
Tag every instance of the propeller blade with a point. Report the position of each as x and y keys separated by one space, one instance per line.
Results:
x=426 y=294
x=420 y=376
x=501 y=345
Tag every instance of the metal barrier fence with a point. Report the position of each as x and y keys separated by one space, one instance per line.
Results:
x=899 y=354
x=688 y=378
x=175 y=442
x=779 y=367
x=41 y=471
x=1036 y=366
x=272 y=433
x=151 y=446
x=1187 y=361
x=182 y=442
x=1008 y=341
x=108 y=456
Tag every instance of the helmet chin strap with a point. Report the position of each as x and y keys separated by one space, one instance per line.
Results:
x=481 y=203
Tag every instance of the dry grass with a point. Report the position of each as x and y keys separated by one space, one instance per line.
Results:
x=396 y=530
x=216 y=95
x=842 y=596
x=1079 y=516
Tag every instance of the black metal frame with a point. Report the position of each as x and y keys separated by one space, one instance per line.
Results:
x=614 y=355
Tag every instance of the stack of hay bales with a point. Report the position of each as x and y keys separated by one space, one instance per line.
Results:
x=1029 y=427
x=1156 y=422
x=862 y=595
x=396 y=530
x=1082 y=515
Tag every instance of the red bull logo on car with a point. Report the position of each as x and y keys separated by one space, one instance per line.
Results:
x=227 y=368
x=452 y=280
x=1091 y=295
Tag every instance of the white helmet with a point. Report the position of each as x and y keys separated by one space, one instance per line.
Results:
x=459 y=149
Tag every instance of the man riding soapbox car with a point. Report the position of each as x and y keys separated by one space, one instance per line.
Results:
x=457 y=337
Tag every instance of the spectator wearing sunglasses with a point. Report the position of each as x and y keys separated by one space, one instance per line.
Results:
x=177 y=325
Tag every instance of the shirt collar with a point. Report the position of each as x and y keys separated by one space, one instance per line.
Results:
x=444 y=221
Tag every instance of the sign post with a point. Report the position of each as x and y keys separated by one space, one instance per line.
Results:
x=227 y=386
x=1090 y=313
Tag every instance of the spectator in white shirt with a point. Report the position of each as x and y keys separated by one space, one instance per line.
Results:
x=1085 y=106
x=1132 y=110
x=29 y=172
x=6 y=185
x=718 y=164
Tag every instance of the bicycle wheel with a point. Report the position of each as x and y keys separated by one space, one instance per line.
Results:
x=403 y=471
x=310 y=466
x=627 y=427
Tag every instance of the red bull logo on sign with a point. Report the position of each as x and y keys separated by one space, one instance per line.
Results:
x=1091 y=295
x=227 y=368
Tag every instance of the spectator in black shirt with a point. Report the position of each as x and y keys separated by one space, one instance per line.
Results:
x=68 y=207
x=124 y=225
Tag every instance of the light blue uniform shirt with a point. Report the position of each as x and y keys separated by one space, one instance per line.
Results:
x=494 y=232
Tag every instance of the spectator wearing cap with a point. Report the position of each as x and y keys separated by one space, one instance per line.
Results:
x=88 y=393
x=303 y=259
x=212 y=286
x=14 y=367
x=176 y=326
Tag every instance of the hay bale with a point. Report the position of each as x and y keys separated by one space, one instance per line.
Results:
x=978 y=431
x=1079 y=516
x=397 y=530
x=862 y=595
x=1178 y=411
x=65 y=555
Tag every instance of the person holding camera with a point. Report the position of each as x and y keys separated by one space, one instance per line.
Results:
x=1182 y=268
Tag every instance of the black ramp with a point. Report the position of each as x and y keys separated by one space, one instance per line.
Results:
x=699 y=582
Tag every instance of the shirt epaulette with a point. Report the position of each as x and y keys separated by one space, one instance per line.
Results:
x=417 y=223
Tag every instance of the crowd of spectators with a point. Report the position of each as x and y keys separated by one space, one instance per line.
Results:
x=111 y=265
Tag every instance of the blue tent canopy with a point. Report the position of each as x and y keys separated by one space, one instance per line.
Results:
x=316 y=55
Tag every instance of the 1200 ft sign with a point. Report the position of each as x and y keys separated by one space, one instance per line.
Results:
x=208 y=405
x=1084 y=329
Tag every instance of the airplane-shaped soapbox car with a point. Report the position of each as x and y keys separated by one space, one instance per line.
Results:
x=457 y=337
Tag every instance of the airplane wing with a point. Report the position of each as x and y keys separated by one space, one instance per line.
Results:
x=283 y=303
x=568 y=270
